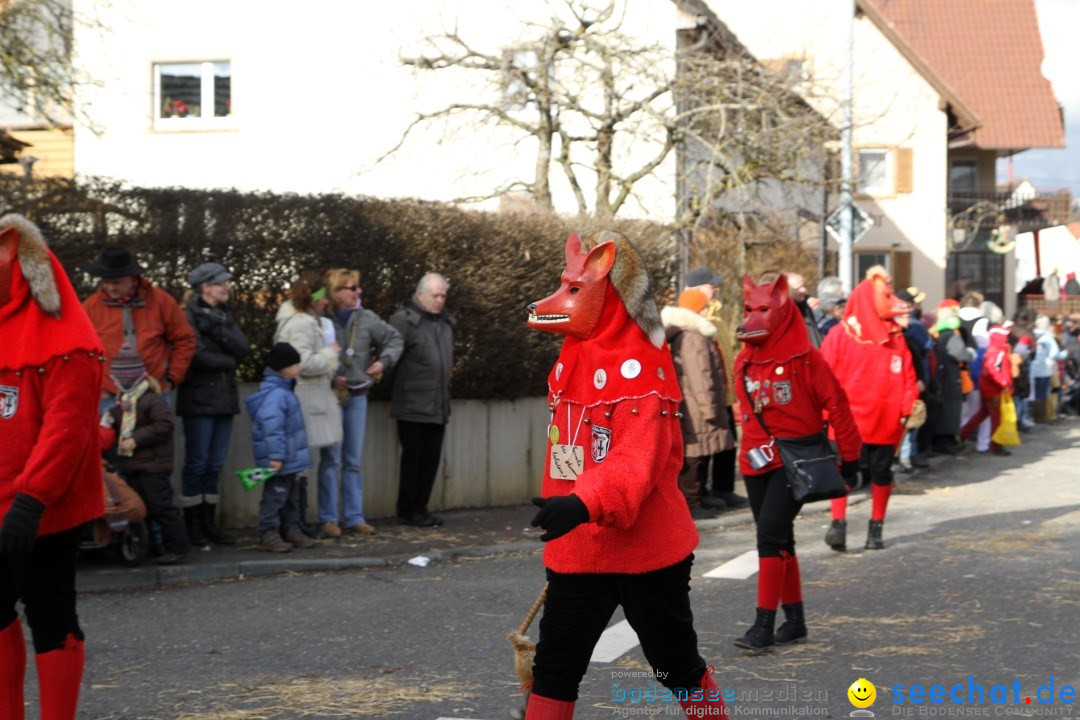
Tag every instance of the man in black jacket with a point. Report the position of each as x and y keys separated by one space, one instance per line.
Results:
x=421 y=395
x=208 y=399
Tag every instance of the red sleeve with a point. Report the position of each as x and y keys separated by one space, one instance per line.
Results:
x=182 y=338
x=107 y=437
x=834 y=402
x=69 y=398
x=640 y=447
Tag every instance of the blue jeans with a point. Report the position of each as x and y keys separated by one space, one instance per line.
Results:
x=1042 y=388
x=206 y=447
x=347 y=455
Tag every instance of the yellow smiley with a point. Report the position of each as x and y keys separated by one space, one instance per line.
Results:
x=862 y=693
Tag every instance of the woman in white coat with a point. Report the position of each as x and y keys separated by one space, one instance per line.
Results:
x=298 y=323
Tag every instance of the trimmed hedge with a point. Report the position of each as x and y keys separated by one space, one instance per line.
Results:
x=496 y=263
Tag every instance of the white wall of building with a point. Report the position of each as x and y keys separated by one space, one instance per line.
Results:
x=318 y=95
x=894 y=107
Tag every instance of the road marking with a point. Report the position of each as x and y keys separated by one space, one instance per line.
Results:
x=738 y=568
x=616 y=641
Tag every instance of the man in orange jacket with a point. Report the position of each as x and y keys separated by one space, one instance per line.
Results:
x=133 y=317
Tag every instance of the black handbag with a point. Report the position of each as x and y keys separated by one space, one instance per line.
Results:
x=811 y=464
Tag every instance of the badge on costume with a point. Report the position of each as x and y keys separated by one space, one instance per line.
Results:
x=601 y=443
x=567 y=461
x=9 y=401
x=896 y=364
x=782 y=392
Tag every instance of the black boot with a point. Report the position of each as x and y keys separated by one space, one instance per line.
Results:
x=794 y=628
x=873 y=535
x=210 y=528
x=193 y=523
x=836 y=537
x=759 y=638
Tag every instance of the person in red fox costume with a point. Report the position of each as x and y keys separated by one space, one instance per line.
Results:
x=780 y=375
x=871 y=359
x=51 y=370
x=995 y=378
x=618 y=530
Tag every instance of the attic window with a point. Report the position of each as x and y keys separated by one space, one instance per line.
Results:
x=193 y=95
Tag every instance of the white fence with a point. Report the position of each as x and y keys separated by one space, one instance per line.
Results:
x=493 y=454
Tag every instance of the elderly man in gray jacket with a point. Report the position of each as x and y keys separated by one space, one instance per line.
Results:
x=421 y=395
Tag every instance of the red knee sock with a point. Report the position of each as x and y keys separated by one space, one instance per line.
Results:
x=839 y=508
x=770 y=582
x=12 y=671
x=542 y=708
x=59 y=676
x=710 y=704
x=881 y=495
x=792 y=592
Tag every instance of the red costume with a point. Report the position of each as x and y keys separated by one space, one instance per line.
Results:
x=870 y=358
x=781 y=376
x=618 y=528
x=51 y=371
x=995 y=378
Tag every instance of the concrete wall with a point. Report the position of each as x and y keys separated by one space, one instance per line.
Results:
x=493 y=454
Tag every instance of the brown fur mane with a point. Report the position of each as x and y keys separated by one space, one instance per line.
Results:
x=631 y=281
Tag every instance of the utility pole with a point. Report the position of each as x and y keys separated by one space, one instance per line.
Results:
x=846 y=164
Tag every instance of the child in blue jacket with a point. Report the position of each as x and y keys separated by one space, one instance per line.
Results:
x=280 y=443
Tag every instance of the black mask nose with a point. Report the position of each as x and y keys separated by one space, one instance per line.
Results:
x=531 y=308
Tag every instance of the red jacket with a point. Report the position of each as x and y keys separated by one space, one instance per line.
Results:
x=800 y=392
x=50 y=386
x=996 y=374
x=165 y=341
x=623 y=422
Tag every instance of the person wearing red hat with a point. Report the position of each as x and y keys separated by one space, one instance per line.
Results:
x=51 y=372
x=995 y=378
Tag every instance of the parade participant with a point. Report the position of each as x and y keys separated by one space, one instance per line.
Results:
x=995 y=378
x=618 y=531
x=51 y=373
x=781 y=376
x=869 y=351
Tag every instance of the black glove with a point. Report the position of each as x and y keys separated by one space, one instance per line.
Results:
x=20 y=527
x=559 y=515
x=849 y=469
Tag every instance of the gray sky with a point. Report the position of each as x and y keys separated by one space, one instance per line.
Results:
x=1059 y=21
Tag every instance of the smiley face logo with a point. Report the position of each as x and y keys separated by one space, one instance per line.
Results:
x=862 y=693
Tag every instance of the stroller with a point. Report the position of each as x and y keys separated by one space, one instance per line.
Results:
x=121 y=529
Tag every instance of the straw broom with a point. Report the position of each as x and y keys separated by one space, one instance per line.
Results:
x=524 y=648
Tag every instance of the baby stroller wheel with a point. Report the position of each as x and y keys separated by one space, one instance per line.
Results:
x=134 y=544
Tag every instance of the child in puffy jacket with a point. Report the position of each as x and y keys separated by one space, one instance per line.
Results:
x=280 y=443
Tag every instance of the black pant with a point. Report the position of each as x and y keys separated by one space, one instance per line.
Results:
x=157 y=492
x=877 y=464
x=45 y=581
x=577 y=610
x=723 y=471
x=279 y=507
x=421 y=449
x=774 y=512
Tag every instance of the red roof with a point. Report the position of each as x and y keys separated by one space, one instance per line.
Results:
x=986 y=54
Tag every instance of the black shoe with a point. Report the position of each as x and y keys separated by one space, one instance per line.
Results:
x=713 y=503
x=210 y=529
x=1000 y=451
x=732 y=500
x=836 y=537
x=759 y=638
x=873 y=535
x=421 y=520
x=920 y=462
x=699 y=512
x=169 y=558
x=794 y=628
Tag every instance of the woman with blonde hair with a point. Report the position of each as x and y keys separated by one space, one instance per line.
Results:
x=369 y=347
x=299 y=324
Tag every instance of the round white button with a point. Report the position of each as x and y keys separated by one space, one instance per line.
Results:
x=599 y=379
x=631 y=369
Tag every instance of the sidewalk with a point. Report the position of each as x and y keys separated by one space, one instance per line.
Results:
x=475 y=533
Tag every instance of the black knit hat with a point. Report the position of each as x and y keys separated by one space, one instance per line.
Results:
x=282 y=355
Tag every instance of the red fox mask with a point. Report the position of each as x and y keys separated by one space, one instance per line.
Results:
x=574 y=309
x=765 y=306
x=886 y=304
x=9 y=251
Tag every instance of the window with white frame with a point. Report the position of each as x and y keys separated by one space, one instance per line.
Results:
x=193 y=95
x=874 y=172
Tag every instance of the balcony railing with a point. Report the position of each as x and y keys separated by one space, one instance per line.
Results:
x=1027 y=211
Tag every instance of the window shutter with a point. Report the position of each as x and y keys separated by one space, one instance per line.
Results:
x=903 y=177
x=901 y=262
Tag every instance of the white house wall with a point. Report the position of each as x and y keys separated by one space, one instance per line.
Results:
x=894 y=107
x=319 y=94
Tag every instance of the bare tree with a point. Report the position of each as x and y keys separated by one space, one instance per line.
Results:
x=608 y=110
x=36 y=74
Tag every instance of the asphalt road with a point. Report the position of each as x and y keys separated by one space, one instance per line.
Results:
x=980 y=577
